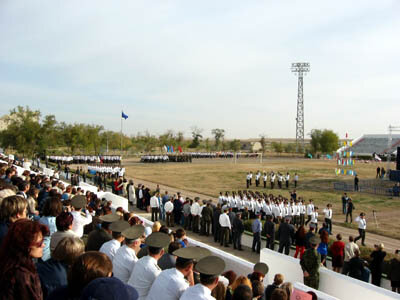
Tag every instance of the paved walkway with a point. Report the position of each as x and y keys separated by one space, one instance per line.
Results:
x=371 y=239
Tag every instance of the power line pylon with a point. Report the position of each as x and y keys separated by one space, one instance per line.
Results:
x=300 y=69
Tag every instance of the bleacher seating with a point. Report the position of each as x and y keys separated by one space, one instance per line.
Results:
x=374 y=143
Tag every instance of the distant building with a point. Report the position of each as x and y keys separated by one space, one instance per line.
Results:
x=251 y=146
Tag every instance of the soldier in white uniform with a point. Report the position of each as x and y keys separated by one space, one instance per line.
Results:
x=265 y=177
x=125 y=259
x=210 y=268
x=111 y=247
x=310 y=210
x=146 y=269
x=171 y=283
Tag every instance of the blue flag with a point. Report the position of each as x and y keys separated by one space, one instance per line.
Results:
x=124 y=116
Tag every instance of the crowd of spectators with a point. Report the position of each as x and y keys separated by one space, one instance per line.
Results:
x=60 y=242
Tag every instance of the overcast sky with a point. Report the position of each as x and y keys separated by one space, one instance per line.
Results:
x=213 y=64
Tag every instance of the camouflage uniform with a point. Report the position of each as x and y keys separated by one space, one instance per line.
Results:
x=310 y=263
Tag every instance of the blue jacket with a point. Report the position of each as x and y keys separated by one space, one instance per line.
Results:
x=52 y=274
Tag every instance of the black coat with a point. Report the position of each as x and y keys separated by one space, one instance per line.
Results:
x=237 y=225
x=216 y=214
x=356 y=267
x=269 y=228
x=286 y=233
x=394 y=270
x=377 y=261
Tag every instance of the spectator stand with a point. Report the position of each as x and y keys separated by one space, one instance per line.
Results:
x=331 y=283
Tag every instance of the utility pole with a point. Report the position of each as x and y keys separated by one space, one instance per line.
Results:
x=300 y=69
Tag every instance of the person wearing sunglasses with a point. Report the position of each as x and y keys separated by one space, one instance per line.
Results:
x=23 y=243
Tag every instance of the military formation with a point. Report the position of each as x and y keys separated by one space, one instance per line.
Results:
x=84 y=159
x=166 y=158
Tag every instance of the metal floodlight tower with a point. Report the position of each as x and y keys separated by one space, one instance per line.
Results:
x=300 y=69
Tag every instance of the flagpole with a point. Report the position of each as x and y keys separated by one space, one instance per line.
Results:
x=121 y=133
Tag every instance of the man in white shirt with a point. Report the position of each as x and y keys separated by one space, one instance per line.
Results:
x=349 y=254
x=169 y=208
x=171 y=283
x=146 y=269
x=362 y=225
x=310 y=209
x=111 y=247
x=287 y=178
x=265 y=177
x=195 y=212
x=314 y=218
x=225 y=224
x=302 y=212
x=125 y=259
x=272 y=180
x=80 y=218
x=328 y=217
x=154 y=204
x=210 y=268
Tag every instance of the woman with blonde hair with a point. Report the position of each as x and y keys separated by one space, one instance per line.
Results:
x=241 y=280
x=156 y=226
x=288 y=288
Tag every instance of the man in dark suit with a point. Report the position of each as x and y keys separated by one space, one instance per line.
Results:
x=285 y=235
x=216 y=227
x=269 y=229
x=206 y=216
x=237 y=231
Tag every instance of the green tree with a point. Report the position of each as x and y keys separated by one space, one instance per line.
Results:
x=207 y=144
x=329 y=141
x=219 y=135
x=23 y=131
x=263 y=142
x=235 y=145
x=278 y=147
x=197 y=136
x=289 y=148
x=315 y=140
x=324 y=141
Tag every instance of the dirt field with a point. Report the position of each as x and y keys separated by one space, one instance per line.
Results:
x=316 y=177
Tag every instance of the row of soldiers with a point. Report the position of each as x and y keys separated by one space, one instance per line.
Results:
x=84 y=159
x=112 y=170
x=251 y=204
x=271 y=177
x=166 y=158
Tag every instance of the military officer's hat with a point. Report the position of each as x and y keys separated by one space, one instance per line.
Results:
x=210 y=265
x=195 y=253
x=261 y=267
x=314 y=240
x=109 y=218
x=79 y=201
x=133 y=232
x=119 y=226
x=158 y=240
